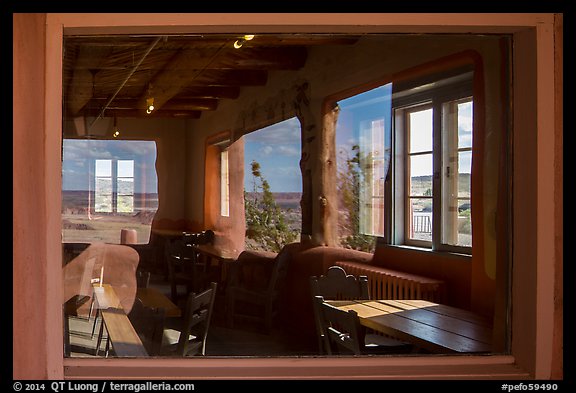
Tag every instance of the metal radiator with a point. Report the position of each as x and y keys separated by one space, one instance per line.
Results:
x=391 y=284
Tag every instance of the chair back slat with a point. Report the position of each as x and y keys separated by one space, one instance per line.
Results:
x=335 y=285
x=196 y=322
x=149 y=324
x=341 y=328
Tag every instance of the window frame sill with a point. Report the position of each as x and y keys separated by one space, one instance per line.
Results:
x=406 y=367
x=449 y=253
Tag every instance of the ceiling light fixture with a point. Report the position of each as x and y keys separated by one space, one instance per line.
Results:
x=239 y=42
x=149 y=100
x=116 y=132
x=149 y=105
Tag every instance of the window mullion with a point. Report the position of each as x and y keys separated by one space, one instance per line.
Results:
x=115 y=186
x=436 y=170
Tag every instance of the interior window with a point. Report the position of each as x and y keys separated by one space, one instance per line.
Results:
x=224 y=185
x=272 y=186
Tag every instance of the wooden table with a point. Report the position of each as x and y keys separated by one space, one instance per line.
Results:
x=431 y=326
x=124 y=339
x=168 y=233
x=151 y=297
x=218 y=256
x=160 y=238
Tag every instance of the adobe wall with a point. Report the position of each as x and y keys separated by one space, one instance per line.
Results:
x=34 y=348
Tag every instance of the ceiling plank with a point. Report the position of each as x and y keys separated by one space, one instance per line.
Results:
x=181 y=114
x=81 y=86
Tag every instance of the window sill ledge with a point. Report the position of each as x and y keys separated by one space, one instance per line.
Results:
x=430 y=251
x=406 y=367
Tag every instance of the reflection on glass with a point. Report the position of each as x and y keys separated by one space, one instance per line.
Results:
x=125 y=204
x=457 y=163
x=272 y=185
x=421 y=131
x=363 y=141
x=107 y=186
x=421 y=175
x=420 y=219
x=464 y=170
x=125 y=168
x=465 y=124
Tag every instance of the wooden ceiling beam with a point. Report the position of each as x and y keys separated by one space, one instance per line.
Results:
x=230 y=92
x=185 y=73
x=234 y=78
x=85 y=68
x=288 y=58
x=183 y=70
x=180 y=114
x=259 y=58
x=189 y=104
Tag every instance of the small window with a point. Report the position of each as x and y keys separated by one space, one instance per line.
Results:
x=273 y=186
x=224 y=185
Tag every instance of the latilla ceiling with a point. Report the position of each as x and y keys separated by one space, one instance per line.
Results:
x=115 y=76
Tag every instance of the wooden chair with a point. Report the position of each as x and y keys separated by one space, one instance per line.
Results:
x=187 y=337
x=337 y=285
x=181 y=269
x=346 y=335
x=71 y=310
x=149 y=324
x=142 y=278
x=260 y=303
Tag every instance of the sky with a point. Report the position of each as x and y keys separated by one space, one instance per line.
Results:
x=79 y=156
x=277 y=149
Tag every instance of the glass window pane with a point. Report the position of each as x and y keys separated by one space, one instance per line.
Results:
x=420 y=219
x=224 y=185
x=125 y=204
x=465 y=124
x=103 y=202
x=464 y=171
x=104 y=168
x=103 y=186
x=421 y=175
x=272 y=185
x=379 y=177
x=125 y=168
x=363 y=141
x=420 y=131
x=126 y=186
x=457 y=225
x=464 y=224
x=100 y=195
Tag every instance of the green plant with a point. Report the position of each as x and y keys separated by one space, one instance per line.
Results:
x=349 y=179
